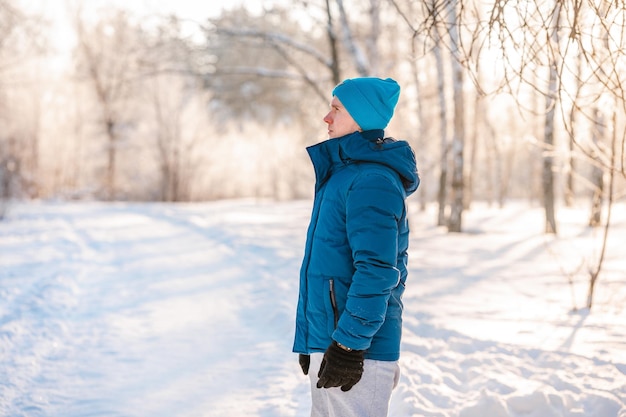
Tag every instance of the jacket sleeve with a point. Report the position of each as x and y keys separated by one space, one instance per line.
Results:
x=374 y=205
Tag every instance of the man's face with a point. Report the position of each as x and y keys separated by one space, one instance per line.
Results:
x=339 y=121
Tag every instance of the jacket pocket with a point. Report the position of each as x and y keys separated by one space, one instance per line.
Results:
x=395 y=305
x=333 y=301
x=330 y=301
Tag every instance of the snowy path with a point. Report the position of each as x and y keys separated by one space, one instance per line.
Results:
x=187 y=310
x=114 y=311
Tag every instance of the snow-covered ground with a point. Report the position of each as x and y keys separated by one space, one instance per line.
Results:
x=187 y=310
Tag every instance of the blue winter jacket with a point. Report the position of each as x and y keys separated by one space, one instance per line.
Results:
x=355 y=261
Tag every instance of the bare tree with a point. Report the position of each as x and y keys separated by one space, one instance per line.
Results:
x=267 y=57
x=528 y=43
x=316 y=59
x=108 y=61
x=569 y=192
x=362 y=64
x=176 y=107
x=614 y=152
x=589 y=53
x=441 y=23
x=458 y=138
x=20 y=43
x=547 y=178
x=331 y=35
x=443 y=124
x=597 y=171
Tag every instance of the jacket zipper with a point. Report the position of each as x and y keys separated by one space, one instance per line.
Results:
x=333 y=301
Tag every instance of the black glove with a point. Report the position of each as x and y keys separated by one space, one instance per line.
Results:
x=305 y=361
x=340 y=368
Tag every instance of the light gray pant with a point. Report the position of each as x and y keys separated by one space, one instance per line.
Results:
x=368 y=398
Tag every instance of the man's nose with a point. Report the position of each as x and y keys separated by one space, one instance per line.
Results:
x=328 y=119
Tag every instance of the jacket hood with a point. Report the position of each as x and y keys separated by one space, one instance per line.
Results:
x=367 y=146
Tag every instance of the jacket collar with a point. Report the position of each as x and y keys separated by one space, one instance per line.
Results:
x=368 y=146
x=329 y=154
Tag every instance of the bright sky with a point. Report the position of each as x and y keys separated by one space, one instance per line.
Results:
x=187 y=9
x=62 y=36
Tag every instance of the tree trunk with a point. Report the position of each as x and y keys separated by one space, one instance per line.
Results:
x=547 y=173
x=569 y=180
x=421 y=136
x=595 y=218
x=613 y=155
x=360 y=60
x=443 y=123
x=111 y=153
x=491 y=163
x=458 y=141
x=476 y=127
x=371 y=40
x=597 y=173
x=571 y=168
x=333 y=43
x=548 y=136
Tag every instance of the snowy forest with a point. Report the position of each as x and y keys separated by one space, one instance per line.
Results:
x=500 y=100
x=155 y=192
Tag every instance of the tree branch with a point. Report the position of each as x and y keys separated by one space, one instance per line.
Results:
x=278 y=38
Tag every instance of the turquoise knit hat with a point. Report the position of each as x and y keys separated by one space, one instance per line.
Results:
x=370 y=101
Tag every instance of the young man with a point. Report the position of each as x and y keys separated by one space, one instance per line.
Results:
x=349 y=317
